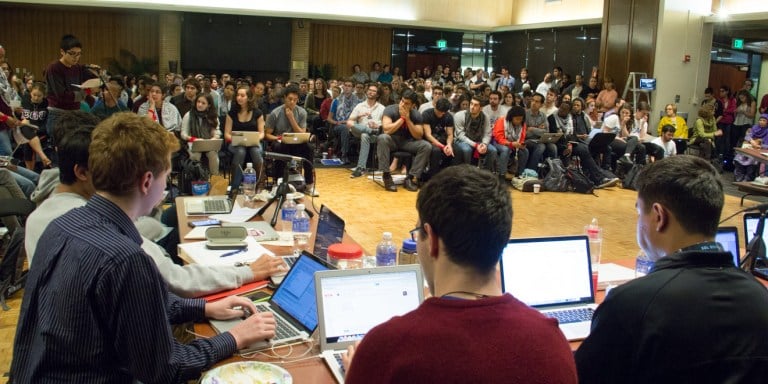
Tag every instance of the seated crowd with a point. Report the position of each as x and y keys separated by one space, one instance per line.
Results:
x=110 y=158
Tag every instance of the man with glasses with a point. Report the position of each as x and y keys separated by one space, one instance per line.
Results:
x=62 y=77
x=449 y=336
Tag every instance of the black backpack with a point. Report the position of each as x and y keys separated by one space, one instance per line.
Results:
x=555 y=180
x=630 y=180
x=579 y=181
x=191 y=170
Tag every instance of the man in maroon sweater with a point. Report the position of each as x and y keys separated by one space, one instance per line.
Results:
x=468 y=331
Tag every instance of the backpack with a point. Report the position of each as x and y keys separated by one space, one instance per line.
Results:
x=191 y=170
x=525 y=183
x=630 y=179
x=579 y=181
x=555 y=180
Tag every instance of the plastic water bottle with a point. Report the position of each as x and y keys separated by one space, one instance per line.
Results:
x=286 y=216
x=386 y=252
x=643 y=264
x=595 y=235
x=249 y=182
x=300 y=229
x=407 y=253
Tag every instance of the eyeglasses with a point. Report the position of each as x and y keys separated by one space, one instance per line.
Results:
x=74 y=53
x=415 y=233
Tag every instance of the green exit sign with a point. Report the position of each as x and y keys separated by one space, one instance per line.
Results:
x=442 y=43
x=738 y=44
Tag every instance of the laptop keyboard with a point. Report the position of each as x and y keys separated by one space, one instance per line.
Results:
x=283 y=330
x=571 y=315
x=337 y=356
x=290 y=260
x=215 y=205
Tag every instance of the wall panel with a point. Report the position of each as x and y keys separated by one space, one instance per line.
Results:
x=342 y=46
x=31 y=34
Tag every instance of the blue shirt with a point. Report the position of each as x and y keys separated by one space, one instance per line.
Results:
x=95 y=309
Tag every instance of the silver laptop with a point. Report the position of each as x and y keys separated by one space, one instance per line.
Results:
x=246 y=138
x=199 y=206
x=293 y=304
x=295 y=138
x=547 y=138
x=553 y=275
x=330 y=230
x=207 y=145
x=351 y=302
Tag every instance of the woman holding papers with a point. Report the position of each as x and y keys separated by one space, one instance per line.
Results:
x=202 y=123
x=244 y=116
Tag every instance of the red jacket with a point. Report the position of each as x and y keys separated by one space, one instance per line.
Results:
x=500 y=137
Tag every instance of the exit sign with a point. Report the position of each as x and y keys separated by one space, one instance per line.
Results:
x=738 y=44
x=442 y=43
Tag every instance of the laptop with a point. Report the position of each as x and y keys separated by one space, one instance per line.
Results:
x=246 y=138
x=330 y=230
x=347 y=309
x=553 y=275
x=208 y=145
x=728 y=237
x=751 y=221
x=293 y=304
x=216 y=204
x=547 y=138
x=295 y=138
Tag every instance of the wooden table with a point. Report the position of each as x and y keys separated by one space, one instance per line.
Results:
x=747 y=187
x=308 y=368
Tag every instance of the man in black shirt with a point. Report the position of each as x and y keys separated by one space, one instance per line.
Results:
x=402 y=129
x=186 y=100
x=438 y=131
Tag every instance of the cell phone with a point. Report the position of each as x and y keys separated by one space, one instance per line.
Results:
x=204 y=223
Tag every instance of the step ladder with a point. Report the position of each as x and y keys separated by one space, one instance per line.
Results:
x=633 y=85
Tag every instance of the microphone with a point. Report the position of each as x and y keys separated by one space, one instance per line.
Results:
x=92 y=66
x=282 y=157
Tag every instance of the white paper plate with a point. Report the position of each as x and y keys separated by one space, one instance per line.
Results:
x=247 y=372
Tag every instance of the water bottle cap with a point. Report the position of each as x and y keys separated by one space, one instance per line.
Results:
x=300 y=207
x=345 y=251
x=409 y=245
x=386 y=236
x=249 y=165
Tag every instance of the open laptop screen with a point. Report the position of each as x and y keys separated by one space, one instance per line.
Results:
x=296 y=294
x=750 y=226
x=728 y=237
x=548 y=271
x=355 y=301
x=330 y=230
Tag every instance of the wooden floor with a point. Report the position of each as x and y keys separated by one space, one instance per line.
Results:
x=369 y=210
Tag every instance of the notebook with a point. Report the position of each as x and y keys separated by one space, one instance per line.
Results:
x=553 y=275
x=330 y=230
x=246 y=138
x=728 y=237
x=347 y=309
x=216 y=204
x=293 y=304
x=206 y=145
x=295 y=138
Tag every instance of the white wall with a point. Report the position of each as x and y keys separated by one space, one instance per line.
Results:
x=681 y=31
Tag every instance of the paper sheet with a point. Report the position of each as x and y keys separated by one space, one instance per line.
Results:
x=197 y=233
x=285 y=240
x=200 y=254
x=238 y=215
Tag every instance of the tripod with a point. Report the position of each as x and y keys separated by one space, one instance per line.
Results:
x=755 y=259
x=280 y=195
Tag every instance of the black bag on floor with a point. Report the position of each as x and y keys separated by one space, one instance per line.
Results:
x=191 y=170
x=555 y=180
x=630 y=179
x=579 y=181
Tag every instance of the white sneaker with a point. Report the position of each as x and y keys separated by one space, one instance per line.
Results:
x=312 y=191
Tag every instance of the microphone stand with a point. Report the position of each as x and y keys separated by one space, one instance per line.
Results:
x=755 y=257
x=280 y=195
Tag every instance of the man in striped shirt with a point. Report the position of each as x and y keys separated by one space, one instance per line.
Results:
x=95 y=308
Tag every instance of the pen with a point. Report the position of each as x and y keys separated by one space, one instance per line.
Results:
x=234 y=252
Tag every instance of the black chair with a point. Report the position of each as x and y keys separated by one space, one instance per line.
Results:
x=12 y=273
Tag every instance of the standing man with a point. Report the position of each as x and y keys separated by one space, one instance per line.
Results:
x=695 y=318
x=95 y=308
x=402 y=129
x=506 y=79
x=60 y=77
x=365 y=123
x=468 y=330
x=290 y=117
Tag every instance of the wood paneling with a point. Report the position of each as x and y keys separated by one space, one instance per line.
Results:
x=31 y=34
x=628 y=39
x=343 y=46
x=726 y=74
